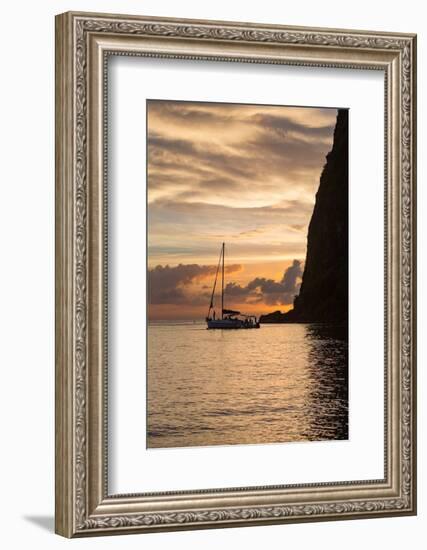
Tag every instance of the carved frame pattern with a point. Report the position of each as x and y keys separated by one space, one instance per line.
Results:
x=77 y=510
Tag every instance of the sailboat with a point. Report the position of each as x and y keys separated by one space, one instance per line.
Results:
x=229 y=318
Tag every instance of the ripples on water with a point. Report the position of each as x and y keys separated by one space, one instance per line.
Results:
x=280 y=383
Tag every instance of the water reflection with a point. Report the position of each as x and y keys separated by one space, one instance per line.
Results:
x=283 y=383
x=328 y=364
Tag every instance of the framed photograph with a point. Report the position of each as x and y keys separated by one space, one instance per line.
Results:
x=235 y=274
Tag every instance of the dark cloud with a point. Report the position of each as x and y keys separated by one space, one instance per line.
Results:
x=173 y=286
x=290 y=277
x=268 y=291
x=169 y=285
x=298 y=227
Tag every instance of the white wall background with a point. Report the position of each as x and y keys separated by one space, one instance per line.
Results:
x=27 y=273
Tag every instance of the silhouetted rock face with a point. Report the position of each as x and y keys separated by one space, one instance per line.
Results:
x=323 y=295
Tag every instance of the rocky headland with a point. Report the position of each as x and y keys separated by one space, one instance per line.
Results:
x=323 y=296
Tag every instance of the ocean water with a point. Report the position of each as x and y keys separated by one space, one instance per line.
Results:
x=277 y=384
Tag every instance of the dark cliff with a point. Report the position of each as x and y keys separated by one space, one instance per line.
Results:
x=323 y=296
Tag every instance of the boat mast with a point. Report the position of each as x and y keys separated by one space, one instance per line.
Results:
x=222 y=289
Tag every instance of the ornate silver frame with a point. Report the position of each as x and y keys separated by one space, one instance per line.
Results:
x=83 y=42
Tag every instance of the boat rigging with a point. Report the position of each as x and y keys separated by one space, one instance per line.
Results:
x=229 y=318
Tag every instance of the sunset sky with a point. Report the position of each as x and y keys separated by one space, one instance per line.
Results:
x=243 y=174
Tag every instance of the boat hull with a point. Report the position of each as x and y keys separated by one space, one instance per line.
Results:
x=230 y=324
